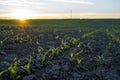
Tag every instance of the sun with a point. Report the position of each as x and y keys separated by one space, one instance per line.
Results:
x=21 y=14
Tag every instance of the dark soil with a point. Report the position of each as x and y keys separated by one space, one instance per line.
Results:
x=100 y=56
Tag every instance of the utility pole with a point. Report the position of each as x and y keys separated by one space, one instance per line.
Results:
x=71 y=14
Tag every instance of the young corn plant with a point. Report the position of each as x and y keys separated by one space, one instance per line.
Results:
x=1 y=43
x=17 y=38
x=78 y=53
x=79 y=45
x=88 y=34
x=1 y=73
x=57 y=37
x=44 y=58
x=89 y=46
x=71 y=56
x=65 y=45
x=39 y=49
x=109 y=33
x=28 y=65
x=100 y=58
x=28 y=37
x=37 y=42
x=109 y=45
x=74 y=40
x=78 y=61
x=21 y=40
x=55 y=51
x=13 y=69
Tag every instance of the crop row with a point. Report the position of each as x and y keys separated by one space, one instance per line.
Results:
x=113 y=36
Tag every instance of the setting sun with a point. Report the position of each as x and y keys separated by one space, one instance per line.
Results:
x=22 y=14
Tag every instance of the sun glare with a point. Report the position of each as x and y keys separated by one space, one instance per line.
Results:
x=22 y=14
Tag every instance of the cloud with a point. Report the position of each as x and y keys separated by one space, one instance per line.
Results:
x=9 y=6
x=22 y=3
x=75 y=1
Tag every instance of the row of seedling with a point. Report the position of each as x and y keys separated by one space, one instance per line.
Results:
x=111 y=34
x=15 y=70
x=84 y=36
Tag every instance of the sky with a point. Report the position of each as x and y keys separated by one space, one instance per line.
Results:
x=20 y=9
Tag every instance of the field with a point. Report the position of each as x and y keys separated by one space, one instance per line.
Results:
x=66 y=49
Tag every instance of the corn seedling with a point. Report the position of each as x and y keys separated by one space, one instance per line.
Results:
x=78 y=53
x=78 y=60
x=100 y=58
x=13 y=69
x=37 y=43
x=17 y=37
x=88 y=45
x=28 y=37
x=44 y=58
x=65 y=45
x=71 y=57
x=1 y=43
x=79 y=45
x=88 y=34
x=57 y=37
x=74 y=40
x=40 y=49
x=109 y=45
x=1 y=73
x=109 y=33
x=55 y=51
x=21 y=40
x=28 y=65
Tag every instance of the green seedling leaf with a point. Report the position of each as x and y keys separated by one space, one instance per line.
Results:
x=78 y=53
x=1 y=73
x=28 y=65
x=71 y=57
x=79 y=61
x=57 y=37
x=40 y=49
x=79 y=45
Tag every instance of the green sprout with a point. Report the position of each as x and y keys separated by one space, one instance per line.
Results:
x=99 y=57
x=55 y=51
x=37 y=43
x=109 y=33
x=78 y=53
x=78 y=60
x=57 y=37
x=109 y=44
x=13 y=69
x=1 y=43
x=87 y=34
x=28 y=65
x=28 y=37
x=43 y=59
x=21 y=40
x=1 y=73
x=40 y=49
x=65 y=45
x=79 y=45
x=71 y=57
x=74 y=40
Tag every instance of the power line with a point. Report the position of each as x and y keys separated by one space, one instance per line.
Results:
x=71 y=14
